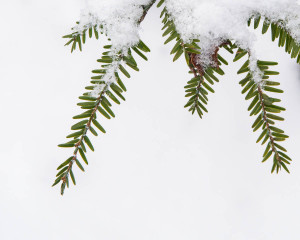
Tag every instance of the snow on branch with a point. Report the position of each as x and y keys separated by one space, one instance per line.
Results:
x=199 y=29
x=211 y=21
x=118 y=19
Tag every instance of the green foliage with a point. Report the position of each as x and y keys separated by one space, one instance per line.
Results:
x=203 y=76
x=95 y=108
x=262 y=106
x=107 y=88
x=266 y=111
x=278 y=31
x=78 y=39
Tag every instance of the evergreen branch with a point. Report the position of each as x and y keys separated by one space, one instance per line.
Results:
x=109 y=85
x=262 y=106
x=78 y=146
x=79 y=37
x=267 y=125
x=204 y=78
x=106 y=82
x=196 y=92
x=197 y=88
x=280 y=32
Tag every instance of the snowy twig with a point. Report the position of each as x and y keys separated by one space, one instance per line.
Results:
x=146 y=9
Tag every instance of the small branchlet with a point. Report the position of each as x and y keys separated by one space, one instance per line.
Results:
x=262 y=105
x=106 y=86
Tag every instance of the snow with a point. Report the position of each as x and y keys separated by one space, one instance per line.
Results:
x=119 y=20
x=257 y=74
x=109 y=77
x=210 y=21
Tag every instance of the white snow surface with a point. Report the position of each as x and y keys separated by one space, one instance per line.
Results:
x=210 y=21
x=228 y=18
x=118 y=17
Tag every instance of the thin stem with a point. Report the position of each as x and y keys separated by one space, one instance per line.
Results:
x=196 y=74
x=98 y=102
x=146 y=9
x=260 y=91
x=88 y=125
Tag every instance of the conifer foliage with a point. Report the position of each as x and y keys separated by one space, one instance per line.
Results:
x=107 y=88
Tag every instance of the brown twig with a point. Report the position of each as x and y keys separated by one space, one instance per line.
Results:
x=215 y=54
x=98 y=102
x=78 y=144
x=194 y=59
x=146 y=9
x=267 y=123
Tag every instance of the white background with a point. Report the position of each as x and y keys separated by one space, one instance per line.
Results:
x=159 y=172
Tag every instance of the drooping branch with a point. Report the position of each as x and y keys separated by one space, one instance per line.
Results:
x=278 y=31
x=263 y=106
x=203 y=63
x=79 y=143
x=203 y=76
x=104 y=84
